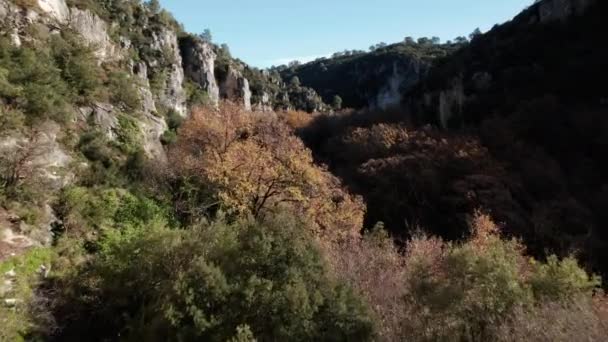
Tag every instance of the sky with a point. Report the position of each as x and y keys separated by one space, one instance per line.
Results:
x=273 y=32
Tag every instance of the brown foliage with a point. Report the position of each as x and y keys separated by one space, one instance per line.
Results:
x=296 y=119
x=252 y=164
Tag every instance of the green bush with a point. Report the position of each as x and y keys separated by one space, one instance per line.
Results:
x=128 y=134
x=78 y=66
x=216 y=282
x=43 y=79
x=97 y=209
x=468 y=291
x=16 y=321
x=123 y=91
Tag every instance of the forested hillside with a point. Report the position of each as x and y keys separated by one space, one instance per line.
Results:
x=516 y=125
x=154 y=187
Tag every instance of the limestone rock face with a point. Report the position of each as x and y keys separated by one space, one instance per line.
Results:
x=173 y=95
x=264 y=105
x=102 y=116
x=56 y=9
x=199 y=65
x=235 y=87
x=153 y=128
x=94 y=32
x=140 y=71
x=404 y=76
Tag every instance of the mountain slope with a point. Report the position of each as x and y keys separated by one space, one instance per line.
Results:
x=518 y=128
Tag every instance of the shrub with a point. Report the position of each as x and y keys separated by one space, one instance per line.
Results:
x=128 y=134
x=29 y=270
x=466 y=292
x=216 y=282
x=123 y=91
x=78 y=65
x=87 y=212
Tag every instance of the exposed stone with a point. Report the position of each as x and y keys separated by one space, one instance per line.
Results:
x=265 y=105
x=12 y=302
x=140 y=71
x=235 y=87
x=450 y=101
x=153 y=128
x=173 y=95
x=56 y=9
x=403 y=77
x=199 y=65
x=102 y=116
x=94 y=31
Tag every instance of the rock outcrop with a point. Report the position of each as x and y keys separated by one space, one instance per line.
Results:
x=94 y=31
x=403 y=77
x=56 y=9
x=235 y=87
x=173 y=95
x=199 y=65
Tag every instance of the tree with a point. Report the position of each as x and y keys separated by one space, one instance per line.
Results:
x=294 y=82
x=294 y=64
x=475 y=34
x=423 y=40
x=154 y=6
x=19 y=164
x=251 y=165
x=409 y=41
x=435 y=40
x=206 y=36
x=461 y=40
x=212 y=283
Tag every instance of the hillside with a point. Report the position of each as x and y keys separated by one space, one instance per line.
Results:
x=516 y=125
x=153 y=187
x=376 y=78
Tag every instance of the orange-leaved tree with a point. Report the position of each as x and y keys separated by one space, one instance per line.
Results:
x=252 y=163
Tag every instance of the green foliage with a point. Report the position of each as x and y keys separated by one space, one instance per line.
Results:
x=43 y=80
x=78 y=66
x=337 y=102
x=216 y=282
x=354 y=75
x=123 y=91
x=195 y=94
x=88 y=211
x=174 y=121
x=128 y=134
x=469 y=290
x=16 y=321
x=561 y=280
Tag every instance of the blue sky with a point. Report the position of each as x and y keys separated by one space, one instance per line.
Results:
x=272 y=32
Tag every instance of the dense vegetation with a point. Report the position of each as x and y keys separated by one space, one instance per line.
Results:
x=272 y=250
x=521 y=141
x=354 y=76
x=241 y=236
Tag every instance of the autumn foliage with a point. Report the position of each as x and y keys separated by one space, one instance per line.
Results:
x=252 y=164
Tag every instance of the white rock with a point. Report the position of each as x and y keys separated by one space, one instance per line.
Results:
x=56 y=9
